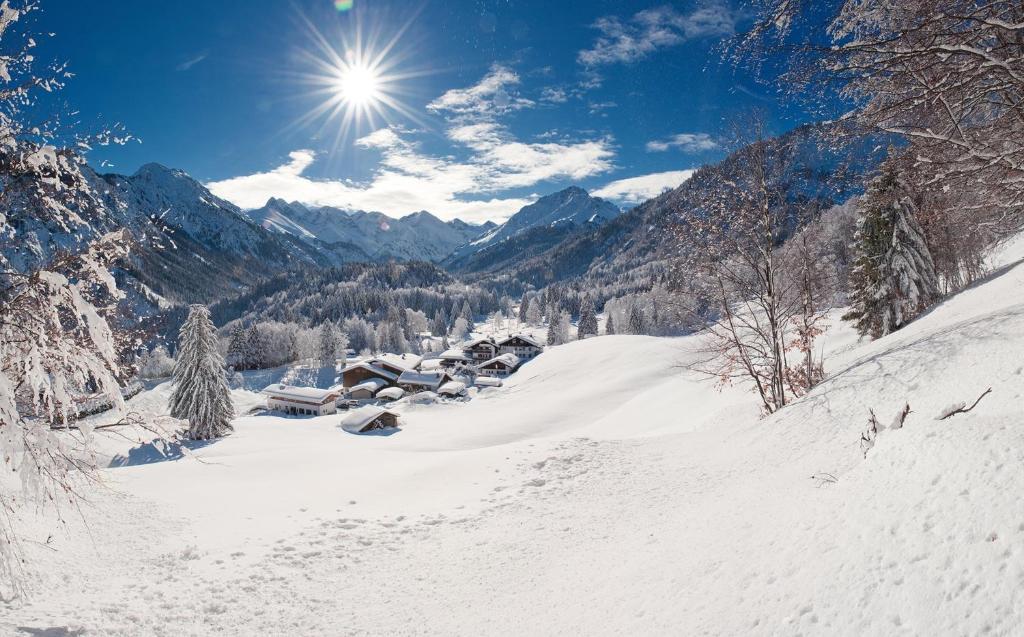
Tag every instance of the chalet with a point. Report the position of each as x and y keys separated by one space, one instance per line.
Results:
x=303 y=401
x=414 y=382
x=522 y=346
x=452 y=389
x=481 y=349
x=367 y=389
x=397 y=363
x=499 y=366
x=361 y=372
x=368 y=418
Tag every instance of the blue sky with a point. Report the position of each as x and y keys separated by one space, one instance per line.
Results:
x=494 y=102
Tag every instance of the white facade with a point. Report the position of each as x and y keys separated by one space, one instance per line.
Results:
x=301 y=401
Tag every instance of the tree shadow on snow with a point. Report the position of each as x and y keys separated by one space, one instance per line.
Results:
x=55 y=631
x=157 y=451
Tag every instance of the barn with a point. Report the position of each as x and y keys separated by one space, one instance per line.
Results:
x=367 y=389
x=369 y=418
x=301 y=401
x=361 y=372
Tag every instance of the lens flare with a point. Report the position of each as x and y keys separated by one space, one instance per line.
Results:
x=343 y=5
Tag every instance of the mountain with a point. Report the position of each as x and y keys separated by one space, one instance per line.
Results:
x=188 y=245
x=535 y=228
x=633 y=248
x=344 y=236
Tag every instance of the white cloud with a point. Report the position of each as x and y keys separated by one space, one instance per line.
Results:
x=495 y=93
x=637 y=189
x=686 y=142
x=653 y=29
x=408 y=180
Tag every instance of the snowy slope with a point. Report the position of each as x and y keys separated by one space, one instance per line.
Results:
x=602 y=490
x=344 y=235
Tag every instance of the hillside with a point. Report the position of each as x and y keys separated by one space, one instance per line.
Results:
x=532 y=230
x=603 y=490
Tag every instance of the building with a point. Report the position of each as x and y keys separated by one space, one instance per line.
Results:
x=481 y=349
x=397 y=363
x=522 y=346
x=452 y=389
x=390 y=393
x=499 y=366
x=414 y=382
x=367 y=389
x=487 y=381
x=361 y=372
x=453 y=358
x=369 y=418
x=301 y=401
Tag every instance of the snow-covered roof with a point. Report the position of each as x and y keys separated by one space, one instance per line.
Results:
x=522 y=337
x=427 y=379
x=508 y=360
x=487 y=381
x=370 y=384
x=452 y=388
x=279 y=390
x=373 y=368
x=356 y=419
x=488 y=340
x=391 y=393
x=401 y=361
x=454 y=355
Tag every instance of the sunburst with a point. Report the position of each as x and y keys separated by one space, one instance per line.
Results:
x=357 y=79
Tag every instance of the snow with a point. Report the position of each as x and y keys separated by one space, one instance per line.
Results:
x=452 y=388
x=635 y=499
x=288 y=391
x=355 y=420
x=391 y=393
x=371 y=385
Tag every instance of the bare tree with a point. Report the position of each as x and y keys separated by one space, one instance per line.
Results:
x=733 y=244
x=946 y=75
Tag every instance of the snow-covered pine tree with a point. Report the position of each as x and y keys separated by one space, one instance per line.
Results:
x=609 y=325
x=328 y=344
x=460 y=329
x=533 y=312
x=524 y=307
x=201 y=393
x=893 y=278
x=238 y=347
x=552 y=337
x=467 y=312
x=587 y=325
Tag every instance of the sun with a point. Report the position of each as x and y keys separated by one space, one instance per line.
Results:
x=358 y=85
x=357 y=78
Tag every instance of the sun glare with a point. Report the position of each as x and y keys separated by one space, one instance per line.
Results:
x=357 y=77
x=358 y=85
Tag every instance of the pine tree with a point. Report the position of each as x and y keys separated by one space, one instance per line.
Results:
x=609 y=325
x=637 y=324
x=524 y=307
x=467 y=312
x=201 y=393
x=553 y=332
x=587 y=325
x=254 y=348
x=238 y=347
x=893 y=278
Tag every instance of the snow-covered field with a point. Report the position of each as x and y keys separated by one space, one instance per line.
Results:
x=602 y=490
